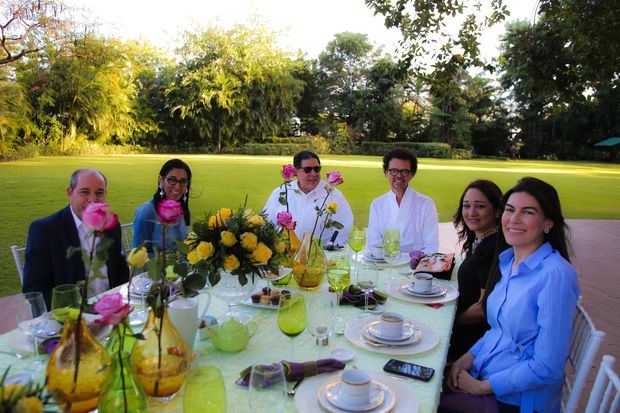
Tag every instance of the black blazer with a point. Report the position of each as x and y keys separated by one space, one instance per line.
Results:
x=47 y=265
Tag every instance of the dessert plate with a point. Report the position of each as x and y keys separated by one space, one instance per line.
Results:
x=330 y=392
x=374 y=328
x=415 y=338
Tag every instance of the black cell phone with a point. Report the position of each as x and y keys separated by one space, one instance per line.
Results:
x=406 y=369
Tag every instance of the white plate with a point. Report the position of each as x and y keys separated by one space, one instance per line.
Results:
x=415 y=338
x=343 y=354
x=306 y=399
x=374 y=329
x=354 y=332
x=269 y=306
x=394 y=289
x=437 y=290
x=381 y=263
x=381 y=398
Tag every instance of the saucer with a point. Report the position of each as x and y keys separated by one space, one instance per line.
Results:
x=436 y=291
x=382 y=398
x=414 y=339
x=375 y=329
x=342 y=354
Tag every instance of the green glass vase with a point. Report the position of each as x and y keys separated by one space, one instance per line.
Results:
x=309 y=264
x=122 y=392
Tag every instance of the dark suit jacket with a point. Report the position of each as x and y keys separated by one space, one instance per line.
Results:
x=47 y=265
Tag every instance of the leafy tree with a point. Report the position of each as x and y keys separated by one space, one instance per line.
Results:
x=14 y=111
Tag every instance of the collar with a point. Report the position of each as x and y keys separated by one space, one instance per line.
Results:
x=320 y=186
x=531 y=262
x=77 y=220
x=408 y=192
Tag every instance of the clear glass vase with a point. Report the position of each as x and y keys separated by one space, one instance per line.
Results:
x=309 y=264
x=160 y=361
x=122 y=392
x=77 y=393
x=230 y=290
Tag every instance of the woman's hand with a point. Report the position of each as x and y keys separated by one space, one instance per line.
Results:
x=463 y=364
x=470 y=385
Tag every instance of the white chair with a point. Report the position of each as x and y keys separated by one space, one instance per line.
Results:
x=18 y=256
x=127 y=237
x=584 y=343
x=605 y=386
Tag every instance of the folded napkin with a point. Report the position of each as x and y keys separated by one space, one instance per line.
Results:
x=199 y=379
x=355 y=296
x=414 y=258
x=297 y=371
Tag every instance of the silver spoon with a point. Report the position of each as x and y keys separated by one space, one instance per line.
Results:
x=16 y=355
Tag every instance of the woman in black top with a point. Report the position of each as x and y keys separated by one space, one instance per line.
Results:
x=477 y=223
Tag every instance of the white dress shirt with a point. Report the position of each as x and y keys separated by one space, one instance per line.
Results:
x=415 y=217
x=302 y=205
x=96 y=285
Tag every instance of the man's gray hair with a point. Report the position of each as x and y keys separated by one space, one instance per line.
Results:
x=75 y=175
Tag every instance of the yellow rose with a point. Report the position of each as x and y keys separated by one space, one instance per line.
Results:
x=248 y=241
x=193 y=257
x=228 y=238
x=332 y=207
x=29 y=405
x=138 y=257
x=225 y=214
x=280 y=247
x=256 y=220
x=191 y=238
x=247 y=213
x=213 y=222
x=11 y=389
x=261 y=254
x=204 y=250
x=231 y=263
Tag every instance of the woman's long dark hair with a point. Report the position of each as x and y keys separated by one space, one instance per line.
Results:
x=549 y=201
x=163 y=172
x=493 y=195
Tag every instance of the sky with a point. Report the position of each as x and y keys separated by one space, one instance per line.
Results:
x=300 y=24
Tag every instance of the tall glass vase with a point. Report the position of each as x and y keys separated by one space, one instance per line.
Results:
x=122 y=392
x=309 y=264
x=161 y=361
x=76 y=394
x=230 y=290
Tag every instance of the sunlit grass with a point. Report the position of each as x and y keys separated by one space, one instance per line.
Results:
x=33 y=188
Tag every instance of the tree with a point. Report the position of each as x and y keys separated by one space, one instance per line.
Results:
x=14 y=111
x=29 y=26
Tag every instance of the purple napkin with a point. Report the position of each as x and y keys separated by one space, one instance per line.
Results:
x=297 y=371
x=414 y=258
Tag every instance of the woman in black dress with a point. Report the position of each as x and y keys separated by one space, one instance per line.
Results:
x=477 y=223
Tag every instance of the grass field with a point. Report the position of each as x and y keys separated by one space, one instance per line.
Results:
x=34 y=188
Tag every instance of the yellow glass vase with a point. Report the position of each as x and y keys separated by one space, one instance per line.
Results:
x=309 y=264
x=161 y=361
x=81 y=395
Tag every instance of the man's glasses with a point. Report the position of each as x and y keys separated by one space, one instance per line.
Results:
x=307 y=169
x=402 y=172
x=172 y=181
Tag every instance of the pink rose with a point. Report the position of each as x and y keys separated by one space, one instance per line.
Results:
x=112 y=309
x=97 y=218
x=288 y=172
x=334 y=178
x=169 y=211
x=285 y=220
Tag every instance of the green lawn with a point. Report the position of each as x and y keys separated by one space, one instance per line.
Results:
x=33 y=188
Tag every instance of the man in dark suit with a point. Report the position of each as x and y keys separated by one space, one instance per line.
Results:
x=47 y=265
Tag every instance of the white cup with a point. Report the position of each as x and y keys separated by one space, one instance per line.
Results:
x=354 y=387
x=423 y=282
x=377 y=251
x=391 y=325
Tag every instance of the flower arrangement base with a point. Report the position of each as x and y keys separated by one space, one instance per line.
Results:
x=161 y=374
x=310 y=264
x=93 y=370
x=113 y=398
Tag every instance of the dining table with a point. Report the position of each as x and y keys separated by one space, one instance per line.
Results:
x=269 y=345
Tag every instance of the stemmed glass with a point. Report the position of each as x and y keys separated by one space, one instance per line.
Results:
x=292 y=318
x=338 y=277
x=31 y=315
x=321 y=319
x=368 y=282
x=267 y=388
x=391 y=247
x=65 y=302
x=357 y=240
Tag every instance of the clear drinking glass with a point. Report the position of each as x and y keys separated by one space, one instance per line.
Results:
x=31 y=314
x=65 y=302
x=367 y=283
x=391 y=247
x=357 y=241
x=267 y=388
x=321 y=319
x=338 y=277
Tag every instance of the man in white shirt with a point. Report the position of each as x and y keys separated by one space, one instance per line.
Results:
x=412 y=213
x=306 y=193
x=46 y=263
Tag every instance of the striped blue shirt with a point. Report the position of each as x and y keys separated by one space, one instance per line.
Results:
x=530 y=312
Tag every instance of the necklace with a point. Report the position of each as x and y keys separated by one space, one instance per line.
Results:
x=479 y=239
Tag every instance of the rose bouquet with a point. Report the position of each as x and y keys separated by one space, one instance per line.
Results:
x=26 y=398
x=240 y=241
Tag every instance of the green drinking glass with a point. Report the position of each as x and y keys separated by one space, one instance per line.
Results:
x=292 y=318
x=65 y=302
x=357 y=241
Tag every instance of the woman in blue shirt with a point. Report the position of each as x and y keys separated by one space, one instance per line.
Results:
x=520 y=360
x=173 y=183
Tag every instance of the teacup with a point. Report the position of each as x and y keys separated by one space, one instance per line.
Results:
x=377 y=251
x=354 y=387
x=391 y=325
x=423 y=282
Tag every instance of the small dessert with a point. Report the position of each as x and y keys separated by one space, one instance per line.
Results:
x=256 y=298
x=266 y=291
x=275 y=299
x=274 y=292
x=264 y=299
